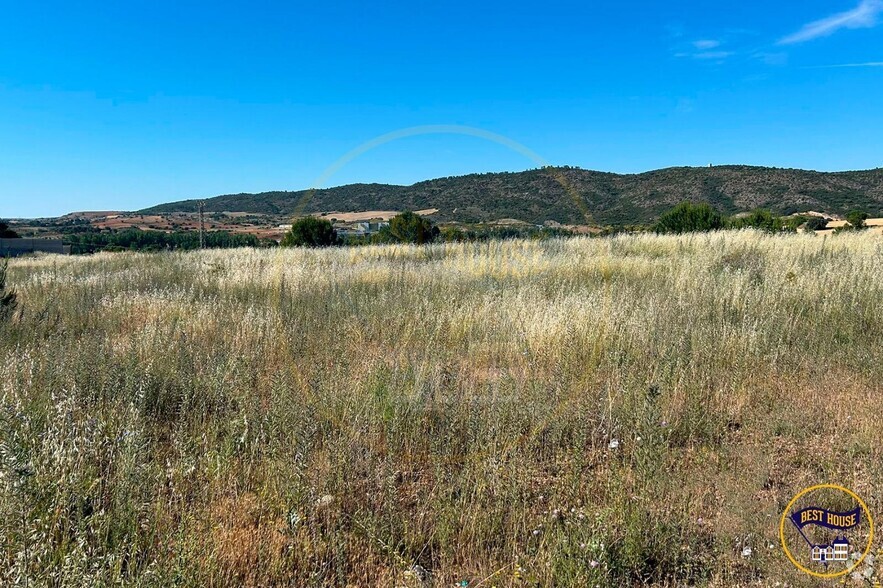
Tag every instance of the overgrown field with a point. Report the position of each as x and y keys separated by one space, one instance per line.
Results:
x=586 y=412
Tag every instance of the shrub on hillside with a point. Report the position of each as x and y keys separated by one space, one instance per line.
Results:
x=310 y=232
x=688 y=217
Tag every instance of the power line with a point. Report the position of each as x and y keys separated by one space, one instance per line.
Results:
x=201 y=224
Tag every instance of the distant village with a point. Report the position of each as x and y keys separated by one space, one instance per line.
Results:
x=346 y=224
x=353 y=229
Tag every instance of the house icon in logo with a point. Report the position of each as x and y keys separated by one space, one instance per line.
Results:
x=838 y=550
x=830 y=535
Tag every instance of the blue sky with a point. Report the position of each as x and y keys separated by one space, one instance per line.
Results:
x=123 y=105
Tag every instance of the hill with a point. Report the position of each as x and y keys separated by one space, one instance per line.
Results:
x=578 y=196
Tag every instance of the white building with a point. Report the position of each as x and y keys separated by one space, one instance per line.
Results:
x=837 y=551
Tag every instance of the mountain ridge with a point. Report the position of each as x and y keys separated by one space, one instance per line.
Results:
x=574 y=195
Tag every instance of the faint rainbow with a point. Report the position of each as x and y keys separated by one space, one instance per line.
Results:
x=442 y=130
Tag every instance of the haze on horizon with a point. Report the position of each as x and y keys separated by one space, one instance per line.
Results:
x=122 y=107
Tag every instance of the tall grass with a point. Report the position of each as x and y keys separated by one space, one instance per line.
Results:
x=627 y=411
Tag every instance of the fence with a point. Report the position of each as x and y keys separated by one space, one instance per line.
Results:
x=16 y=247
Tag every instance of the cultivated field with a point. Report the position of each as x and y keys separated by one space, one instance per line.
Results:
x=627 y=411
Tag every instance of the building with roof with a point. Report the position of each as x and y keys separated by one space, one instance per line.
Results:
x=838 y=550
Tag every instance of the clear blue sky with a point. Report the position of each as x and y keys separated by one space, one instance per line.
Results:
x=121 y=105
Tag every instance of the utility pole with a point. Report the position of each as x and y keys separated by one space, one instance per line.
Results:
x=201 y=224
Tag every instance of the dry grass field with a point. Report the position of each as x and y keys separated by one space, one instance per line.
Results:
x=628 y=411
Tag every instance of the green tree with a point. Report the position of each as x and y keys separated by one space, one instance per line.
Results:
x=310 y=232
x=688 y=217
x=793 y=222
x=7 y=297
x=759 y=218
x=453 y=235
x=856 y=219
x=408 y=227
x=6 y=232
x=816 y=223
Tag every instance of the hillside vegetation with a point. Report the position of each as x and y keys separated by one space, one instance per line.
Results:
x=625 y=411
x=577 y=196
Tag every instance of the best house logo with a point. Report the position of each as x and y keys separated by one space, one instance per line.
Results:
x=826 y=531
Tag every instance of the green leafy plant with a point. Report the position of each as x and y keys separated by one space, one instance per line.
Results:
x=761 y=219
x=408 y=227
x=310 y=232
x=816 y=223
x=688 y=217
x=856 y=219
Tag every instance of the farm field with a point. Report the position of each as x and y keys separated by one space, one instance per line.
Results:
x=627 y=411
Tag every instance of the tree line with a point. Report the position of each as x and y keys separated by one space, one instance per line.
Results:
x=138 y=240
x=689 y=217
x=407 y=227
x=686 y=217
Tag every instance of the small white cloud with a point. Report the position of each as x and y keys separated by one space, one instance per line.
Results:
x=863 y=16
x=706 y=44
x=705 y=55
x=775 y=59
x=867 y=64
x=713 y=55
